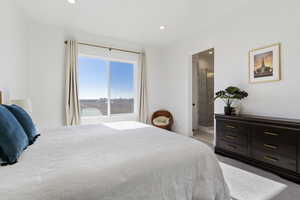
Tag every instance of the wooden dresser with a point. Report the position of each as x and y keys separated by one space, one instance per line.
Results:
x=269 y=143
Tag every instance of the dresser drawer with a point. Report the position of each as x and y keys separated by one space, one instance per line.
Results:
x=234 y=137
x=275 y=135
x=230 y=126
x=275 y=146
x=235 y=148
x=274 y=159
x=232 y=132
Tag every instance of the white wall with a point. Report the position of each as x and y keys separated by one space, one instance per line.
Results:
x=13 y=51
x=155 y=79
x=232 y=37
x=169 y=69
x=46 y=75
x=47 y=69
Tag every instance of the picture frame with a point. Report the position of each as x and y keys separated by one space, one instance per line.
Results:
x=265 y=64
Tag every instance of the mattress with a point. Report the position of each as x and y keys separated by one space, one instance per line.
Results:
x=114 y=161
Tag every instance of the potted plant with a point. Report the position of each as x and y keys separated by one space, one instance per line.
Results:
x=229 y=95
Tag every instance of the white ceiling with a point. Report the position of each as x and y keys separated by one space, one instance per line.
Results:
x=132 y=20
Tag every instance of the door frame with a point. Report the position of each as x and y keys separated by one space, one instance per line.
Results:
x=190 y=84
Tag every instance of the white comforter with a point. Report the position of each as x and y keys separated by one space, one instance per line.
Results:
x=116 y=161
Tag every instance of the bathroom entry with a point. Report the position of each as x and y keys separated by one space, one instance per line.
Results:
x=203 y=95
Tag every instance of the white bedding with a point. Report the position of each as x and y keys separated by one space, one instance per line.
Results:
x=115 y=161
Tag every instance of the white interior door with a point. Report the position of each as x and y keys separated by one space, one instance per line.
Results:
x=195 y=98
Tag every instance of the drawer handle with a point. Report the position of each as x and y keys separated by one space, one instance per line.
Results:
x=270 y=133
x=232 y=147
x=270 y=158
x=270 y=146
x=230 y=137
x=229 y=126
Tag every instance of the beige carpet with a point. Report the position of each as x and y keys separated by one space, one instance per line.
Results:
x=245 y=185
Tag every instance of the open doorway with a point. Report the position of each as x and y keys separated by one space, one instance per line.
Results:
x=203 y=96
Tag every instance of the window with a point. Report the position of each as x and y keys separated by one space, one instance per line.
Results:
x=121 y=88
x=106 y=87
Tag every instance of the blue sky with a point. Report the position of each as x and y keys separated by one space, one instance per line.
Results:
x=93 y=79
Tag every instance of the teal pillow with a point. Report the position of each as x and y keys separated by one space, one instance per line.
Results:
x=13 y=139
x=2 y=157
x=26 y=122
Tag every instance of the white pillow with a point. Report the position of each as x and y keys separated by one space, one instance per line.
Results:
x=161 y=121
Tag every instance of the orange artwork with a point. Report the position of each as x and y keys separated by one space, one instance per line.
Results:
x=263 y=64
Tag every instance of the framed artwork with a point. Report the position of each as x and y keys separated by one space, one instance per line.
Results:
x=264 y=64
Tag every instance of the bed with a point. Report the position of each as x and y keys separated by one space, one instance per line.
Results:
x=114 y=161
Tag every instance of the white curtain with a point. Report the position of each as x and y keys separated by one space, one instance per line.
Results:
x=72 y=101
x=143 y=101
x=1 y=97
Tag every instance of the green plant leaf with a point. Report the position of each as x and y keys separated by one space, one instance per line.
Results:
x=230 y=93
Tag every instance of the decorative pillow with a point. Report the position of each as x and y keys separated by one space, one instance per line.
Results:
x=2 y=157
x=161 y=121
x=26 y=122
x=13 y=139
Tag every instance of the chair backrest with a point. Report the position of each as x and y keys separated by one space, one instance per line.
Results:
x=164 y=113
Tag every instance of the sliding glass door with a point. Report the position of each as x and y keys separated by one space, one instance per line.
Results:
x=107 y=87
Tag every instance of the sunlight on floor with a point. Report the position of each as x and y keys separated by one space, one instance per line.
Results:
x=248 y=186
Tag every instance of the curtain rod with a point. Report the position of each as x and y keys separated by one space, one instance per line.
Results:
x=105 y=47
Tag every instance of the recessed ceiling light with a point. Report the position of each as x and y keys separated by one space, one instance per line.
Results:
x=210 y=52
x=162 y=27
x=72 y=1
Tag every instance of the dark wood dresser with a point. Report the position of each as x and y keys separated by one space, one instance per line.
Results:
x=269 y=143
